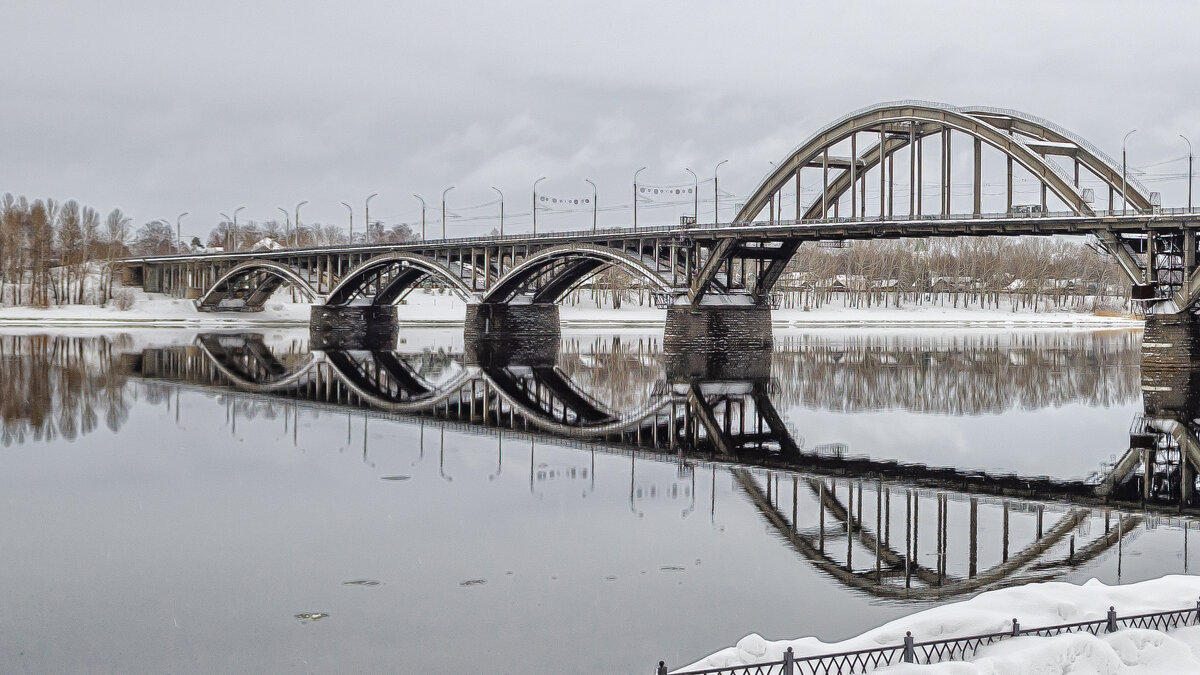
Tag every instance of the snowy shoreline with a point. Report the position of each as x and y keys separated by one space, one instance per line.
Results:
x=1035 y=605
x=439 y=311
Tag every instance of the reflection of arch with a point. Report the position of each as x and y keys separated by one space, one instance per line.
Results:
x=552 y=272
x=250 y=365
x=386 y=278
x=389 y=384
x=249 y=284
x=904 y=123
x=1019 y=567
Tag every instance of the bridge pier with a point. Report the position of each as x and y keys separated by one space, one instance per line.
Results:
x=353 y=327
x=519 y=332
x=717 y=328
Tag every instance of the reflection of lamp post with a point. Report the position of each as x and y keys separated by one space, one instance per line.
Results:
x=1123 y=201
x=499 y=457
x=422 y=215
x=716 y=195
x=442 y=455
x=535 y=202
x=695 y=194
x=635 y=197
x=501 y=209
x=444 y=210
x=632 y=474
x=595 y=201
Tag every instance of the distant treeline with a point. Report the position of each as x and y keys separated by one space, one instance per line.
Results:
x=56 y=253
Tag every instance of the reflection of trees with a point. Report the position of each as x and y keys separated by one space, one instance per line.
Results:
x=52 y=386
x=620 y=373
x=963 y=373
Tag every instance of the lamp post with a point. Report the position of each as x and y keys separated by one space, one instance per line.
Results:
x=287 y=223
x=716 y=195
x=1123 y=179
x=695 y=194
x=351 y=210
x=366 y=219
x=535 y=202
x=635 y=197
x=228 y=239
x=179 y=231
x=444 y=210
x=501 y=209
x=296 y=223
x=595 y=201
x=235 y=229
x=1189 y=171
x=422 y=215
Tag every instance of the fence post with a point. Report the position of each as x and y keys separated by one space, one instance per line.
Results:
x=661 y=669
x=788 y=659
x=909 y=653
x=1016 y=627
x=1112 y=620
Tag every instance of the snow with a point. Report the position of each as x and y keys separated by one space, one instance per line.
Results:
x=1034 y=605
x=431 y=308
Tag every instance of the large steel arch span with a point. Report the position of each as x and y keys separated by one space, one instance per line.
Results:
x=273 y=275
x=1015 y=134
x=562 y=268
x=393 y=274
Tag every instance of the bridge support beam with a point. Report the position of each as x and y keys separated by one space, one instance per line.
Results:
x=717 y=328
x=353 y=327
x=518 y=331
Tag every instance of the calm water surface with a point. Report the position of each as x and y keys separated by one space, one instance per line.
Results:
x=176 y=502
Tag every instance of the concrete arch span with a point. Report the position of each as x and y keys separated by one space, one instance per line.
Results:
x=385 y=279
x=549 y=274
x=248 y=285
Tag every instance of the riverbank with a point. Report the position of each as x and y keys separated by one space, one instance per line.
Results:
x=1033 y=605
x=431 y=309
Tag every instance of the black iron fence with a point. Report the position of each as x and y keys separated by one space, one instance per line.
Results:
x=950 y=649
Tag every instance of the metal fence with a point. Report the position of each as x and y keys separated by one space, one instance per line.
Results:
x=936 y=651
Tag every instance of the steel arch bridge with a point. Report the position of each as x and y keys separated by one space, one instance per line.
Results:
x=853 y=160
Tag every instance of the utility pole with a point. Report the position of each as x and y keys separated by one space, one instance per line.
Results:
x=717 y=195
x=501 y=209
x=595 y=201
x=635 y=197
x=422 y=215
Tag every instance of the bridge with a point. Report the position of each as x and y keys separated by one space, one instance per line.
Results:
x=728 y=270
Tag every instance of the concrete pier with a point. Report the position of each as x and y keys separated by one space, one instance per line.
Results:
x=733 y=328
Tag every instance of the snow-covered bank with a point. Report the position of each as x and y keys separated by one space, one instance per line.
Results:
x=1034 y=605
x=154 y=309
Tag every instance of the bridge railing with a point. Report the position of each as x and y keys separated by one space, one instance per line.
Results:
x=672 y=229
x=949 y=649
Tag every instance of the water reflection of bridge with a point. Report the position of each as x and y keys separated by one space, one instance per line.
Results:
x=688 y=412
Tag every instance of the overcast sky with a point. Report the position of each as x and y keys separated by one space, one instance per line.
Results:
x=162 y=107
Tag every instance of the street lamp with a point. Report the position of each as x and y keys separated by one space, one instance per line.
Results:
x=1123 y=179
x=695 y=194
x=366 y=219
x=501 y=209
x=635 y=197
x=287 y=223
x=179 y=231
x=1189 y=172
x=228 y=220
x=296 y=223
x=444 y=210
x=535 y=202
x=235 y=230
x=595 y=201
x=422 y=215
x=351 y=210
x=716 y=195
